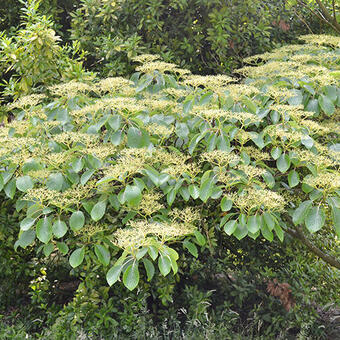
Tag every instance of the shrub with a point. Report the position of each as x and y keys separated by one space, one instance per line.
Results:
x=33 y=57
x=168 y=163
x=205 y=36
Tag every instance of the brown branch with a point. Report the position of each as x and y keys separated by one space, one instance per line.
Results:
x=334 y=13
x=298 y=234
x=328 y=16
x=304 y=22
x=335 y=25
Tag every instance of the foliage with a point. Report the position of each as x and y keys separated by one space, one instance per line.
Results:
x=205 y=36
x=325 y=11
x=221 y=294
x=33 y=57
x=158 y=167
x=58 y=10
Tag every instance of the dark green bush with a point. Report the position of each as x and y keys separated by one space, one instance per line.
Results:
x=33 y=56
x=205 y=36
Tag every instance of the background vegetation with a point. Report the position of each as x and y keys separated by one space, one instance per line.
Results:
x=78 y=186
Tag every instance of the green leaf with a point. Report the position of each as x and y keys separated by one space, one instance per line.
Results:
x=267 y=234
x=141 y=253
x=250 y=104
x=194 y=191
x=184 y=191
x=164 y=264
x=188 y=105
x=86 y=176
x=77 y=257
x=1 y=182
x=300 y=213
x=153 y=252
x=170 y=197
x=315 y=219
x=173 y=258
x=336 y=219
x=113 y=274
x=116 y=138
x=47 y=249
x=132 y=195
x=283 y=163
x=253 y=224
x=153 y=175
x=10 y=188
x=230 y=227
x=279 y=232
x=326 y=105
x=307 y=141
x=297 y=99
x=59 y=228
x=276 y=152
x=313 y=106
x=206 y=189
x=24 y=183
x=55 y=182
x=134 y=138
x=269 y=179
x=77 y=220
x=267 y=217
x=182 y=130
x=293 y=178
x=199 y=238
x=191 y=248
x=27 y=223
x=331 y=92
x=103 y=254
x=241 y=231
x=150 y=269
x=63 y=248
x=44 y=230
x=131 y=276
x=206 y=98
x=78 y=164
x=26 y=238
x=226 y=204
x=98 y=210
x=114 y=122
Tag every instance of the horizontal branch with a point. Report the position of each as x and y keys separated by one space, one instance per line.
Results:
x=298 y=234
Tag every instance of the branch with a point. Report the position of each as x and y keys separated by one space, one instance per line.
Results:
x=298 y=234
x=332 y=21
x=303 y=21
x=334 y=24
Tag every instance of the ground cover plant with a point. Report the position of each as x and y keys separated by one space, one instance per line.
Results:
x=124 y=179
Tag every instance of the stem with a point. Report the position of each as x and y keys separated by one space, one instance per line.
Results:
x=304 y=21
x=298 y=234
x=334 y=14
x=324 y=15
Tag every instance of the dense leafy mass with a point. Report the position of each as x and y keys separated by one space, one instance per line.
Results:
x=34 y=58
x=168 y=160
x=205 y=36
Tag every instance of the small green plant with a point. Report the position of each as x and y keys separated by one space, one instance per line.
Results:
x=33 y=56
